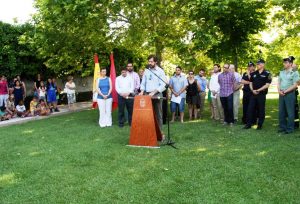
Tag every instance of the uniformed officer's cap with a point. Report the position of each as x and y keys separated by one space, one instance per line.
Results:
x=261 y=61
x=289 y=59
x=250 y=64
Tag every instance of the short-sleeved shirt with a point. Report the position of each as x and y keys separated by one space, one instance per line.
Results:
x=238 y=77
x=202 y=82
x=33 y=105
x=21 y=108
x=246 y=77
x=3 y=88
x=177 y=83
x=260 y=79
x=287 y=79
x=68 y=86
x=226 y=81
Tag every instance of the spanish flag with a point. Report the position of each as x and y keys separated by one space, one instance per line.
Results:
x=95 y=80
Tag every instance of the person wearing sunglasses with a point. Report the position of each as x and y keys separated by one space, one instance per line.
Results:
x=192 y=98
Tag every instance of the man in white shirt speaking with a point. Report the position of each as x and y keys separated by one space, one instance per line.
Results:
x=125 y=89
x=153 y=84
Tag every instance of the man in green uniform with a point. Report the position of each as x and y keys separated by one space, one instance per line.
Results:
x=287 y=84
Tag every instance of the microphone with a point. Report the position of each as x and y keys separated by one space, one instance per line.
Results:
x=148 y=66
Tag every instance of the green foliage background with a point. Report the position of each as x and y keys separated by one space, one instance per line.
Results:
x=64 y=35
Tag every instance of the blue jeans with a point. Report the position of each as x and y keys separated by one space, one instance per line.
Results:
x=181 y=106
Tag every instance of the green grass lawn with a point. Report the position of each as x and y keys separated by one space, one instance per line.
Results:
x=69 y=159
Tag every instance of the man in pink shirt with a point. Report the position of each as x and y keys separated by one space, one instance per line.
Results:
x=3 y=91
x=134 y=76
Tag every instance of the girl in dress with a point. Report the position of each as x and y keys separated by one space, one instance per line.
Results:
x=18 y=92
x=51 y=95
x=42 y=91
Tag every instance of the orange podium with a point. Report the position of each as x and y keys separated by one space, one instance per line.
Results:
x=144 y=131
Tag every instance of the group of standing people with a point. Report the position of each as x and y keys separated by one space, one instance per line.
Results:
x=223 y=93
x=127 y=86
x=44 y=101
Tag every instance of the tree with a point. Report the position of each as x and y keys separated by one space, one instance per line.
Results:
x=17 y=57
x=225 y=28
x=68 y=33
x=150 y=25
x=286 y=22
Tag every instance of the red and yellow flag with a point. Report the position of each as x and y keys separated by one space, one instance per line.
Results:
x=95 y=80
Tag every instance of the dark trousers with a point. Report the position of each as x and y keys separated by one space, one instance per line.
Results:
x=227 y=104
x=165 y=108
x=246 y=101
x=287 y=112
x=296 y=109
x=122 y=102
x=157 y=105
x=257 y=102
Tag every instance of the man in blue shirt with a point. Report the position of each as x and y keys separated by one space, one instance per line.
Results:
x=203 y=83
x=178 y=84
x=153 y=86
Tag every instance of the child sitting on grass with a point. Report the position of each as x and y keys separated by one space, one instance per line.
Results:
x=43 y=108
x=10 y=105
x=33 y=107
x=21 y=110
x=4 y=114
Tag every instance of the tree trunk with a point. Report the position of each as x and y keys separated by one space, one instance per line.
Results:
x=236 y=59
x=158 y=51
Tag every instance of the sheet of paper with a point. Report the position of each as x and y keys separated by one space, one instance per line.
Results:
x=176 y=99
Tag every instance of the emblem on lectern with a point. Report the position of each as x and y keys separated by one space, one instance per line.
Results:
x=142 y=103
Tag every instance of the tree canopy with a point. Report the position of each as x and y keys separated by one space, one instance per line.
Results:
x=65 y=34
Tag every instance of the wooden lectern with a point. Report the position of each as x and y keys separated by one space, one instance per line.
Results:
x=144 y=126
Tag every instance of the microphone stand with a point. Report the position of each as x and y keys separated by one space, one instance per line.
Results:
x=169 y=140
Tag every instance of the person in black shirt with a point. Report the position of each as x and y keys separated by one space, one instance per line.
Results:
x=295 y=68
x=246 y=90
x=37 y=84
x=192 y=95
x=259 y=83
